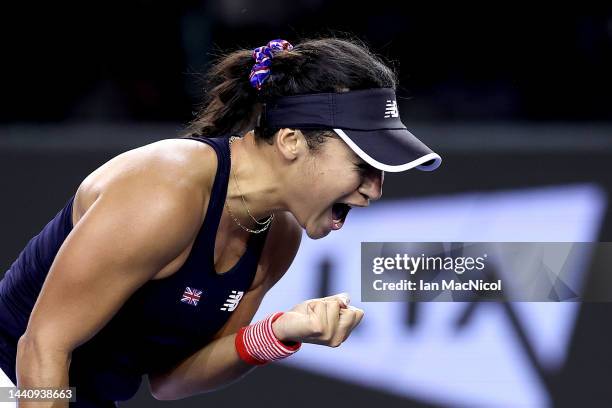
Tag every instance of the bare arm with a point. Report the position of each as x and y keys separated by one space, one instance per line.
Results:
x=217 y=364
x=108 y=255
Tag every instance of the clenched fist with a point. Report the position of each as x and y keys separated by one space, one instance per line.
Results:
x=328 y=321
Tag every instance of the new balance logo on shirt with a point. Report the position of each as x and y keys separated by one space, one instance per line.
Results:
x=232 y=301
x=391 y=109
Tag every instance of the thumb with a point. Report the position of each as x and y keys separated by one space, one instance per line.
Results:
x=344 y=297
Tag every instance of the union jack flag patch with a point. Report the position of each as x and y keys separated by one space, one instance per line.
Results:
x=191 y=296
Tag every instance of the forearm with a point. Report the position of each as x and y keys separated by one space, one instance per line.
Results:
x=215 y=365
x=40 y=367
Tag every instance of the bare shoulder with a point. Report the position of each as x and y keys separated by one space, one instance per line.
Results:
x=184 y=165
x=281 y=247
x=146 y=211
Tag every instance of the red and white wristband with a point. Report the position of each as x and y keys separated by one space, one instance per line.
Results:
x=257 y=345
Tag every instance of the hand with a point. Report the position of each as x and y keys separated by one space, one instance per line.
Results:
x=327 y=321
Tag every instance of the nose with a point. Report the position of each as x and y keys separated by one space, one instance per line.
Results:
x=371 y=187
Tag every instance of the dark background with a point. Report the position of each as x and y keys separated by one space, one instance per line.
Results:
x=511 y=97
x=132 y=60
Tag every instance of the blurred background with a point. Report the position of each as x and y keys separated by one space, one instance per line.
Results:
x=516 y=100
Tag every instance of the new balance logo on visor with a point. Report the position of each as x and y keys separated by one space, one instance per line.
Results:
x=232 y=301
x=391 y=109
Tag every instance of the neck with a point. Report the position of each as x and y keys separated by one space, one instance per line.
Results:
x=253 y=178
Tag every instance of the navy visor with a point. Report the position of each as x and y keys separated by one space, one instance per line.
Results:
x=367 y=120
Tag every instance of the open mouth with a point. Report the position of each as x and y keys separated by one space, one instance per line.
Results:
x=339 y=213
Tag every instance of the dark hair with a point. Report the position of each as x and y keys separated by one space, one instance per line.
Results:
x=232 y=105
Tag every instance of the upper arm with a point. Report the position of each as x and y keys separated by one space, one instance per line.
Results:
x=280 y=249
x=128 y=234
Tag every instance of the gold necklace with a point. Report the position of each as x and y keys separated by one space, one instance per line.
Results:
x=266 y=223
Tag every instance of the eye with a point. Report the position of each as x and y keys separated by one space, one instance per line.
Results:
x=363 y=167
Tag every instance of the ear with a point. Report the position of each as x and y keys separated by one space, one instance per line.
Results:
x=290 y=143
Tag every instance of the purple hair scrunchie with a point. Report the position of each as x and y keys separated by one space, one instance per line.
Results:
x=263 y=56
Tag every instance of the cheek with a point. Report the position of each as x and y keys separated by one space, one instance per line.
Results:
x=327 y=181
x=339 y=186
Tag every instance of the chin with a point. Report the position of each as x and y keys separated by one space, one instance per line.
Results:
x=318 y=234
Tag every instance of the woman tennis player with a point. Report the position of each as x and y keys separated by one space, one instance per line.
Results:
x=161 y=258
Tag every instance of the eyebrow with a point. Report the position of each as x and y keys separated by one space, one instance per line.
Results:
x=362 y=161
x=358 y=159
x=368 y=166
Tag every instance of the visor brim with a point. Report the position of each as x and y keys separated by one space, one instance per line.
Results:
x=391 y=150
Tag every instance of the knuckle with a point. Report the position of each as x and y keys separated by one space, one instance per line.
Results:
x=326 y=336
x=316 y=329
x=335 y=343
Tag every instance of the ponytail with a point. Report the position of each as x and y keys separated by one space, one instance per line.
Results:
x=229 y=103
x=232 y=105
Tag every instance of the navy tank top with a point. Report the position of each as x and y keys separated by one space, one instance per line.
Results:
x=163 y=322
